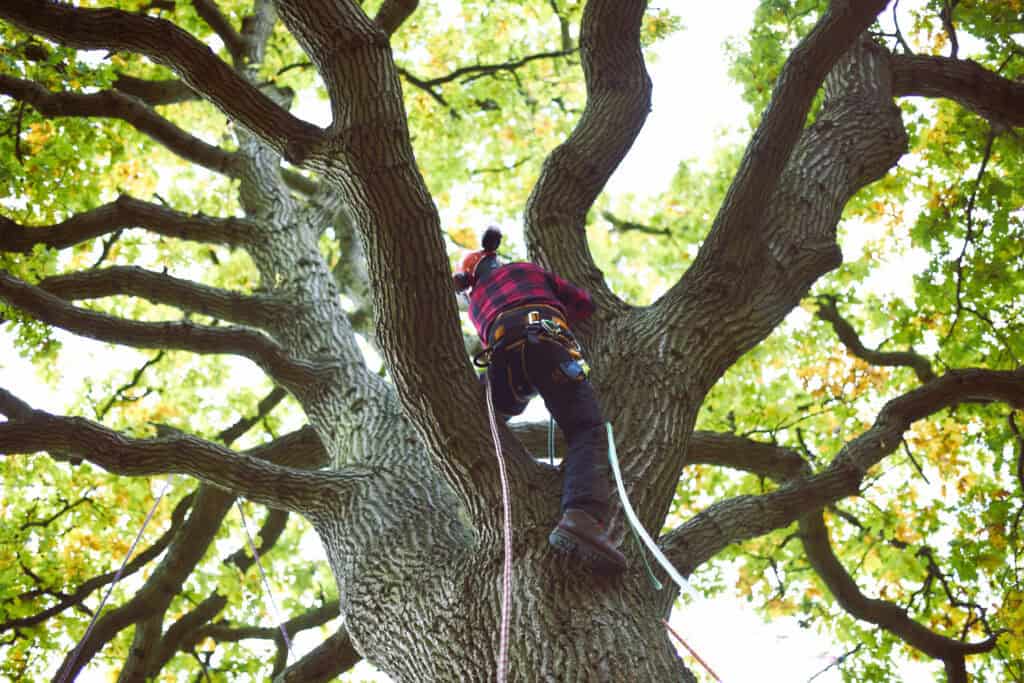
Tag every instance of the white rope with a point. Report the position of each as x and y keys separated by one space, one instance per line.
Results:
x=640 y=531
x=506 y=579
x=627 y=507
x=266 y=584
x=67 y=669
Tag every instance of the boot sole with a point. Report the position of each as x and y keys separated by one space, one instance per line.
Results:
x=571 y=544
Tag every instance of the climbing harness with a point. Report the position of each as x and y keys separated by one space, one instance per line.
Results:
x=66 y=670
x=641 y=534
x=510 y=337
x=266 y=584
x=506 y=577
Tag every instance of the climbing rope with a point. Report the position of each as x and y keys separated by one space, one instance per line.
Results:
x=66 y=670
x=266 y=584
x=691 y=650
x=506 y=578
x=640 y=532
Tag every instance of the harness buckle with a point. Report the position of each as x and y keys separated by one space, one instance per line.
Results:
x=533 y=317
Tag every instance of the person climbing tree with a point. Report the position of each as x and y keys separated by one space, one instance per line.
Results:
x=521 y=313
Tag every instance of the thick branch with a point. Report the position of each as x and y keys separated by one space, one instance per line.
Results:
x=117 y=105
x=743 y=517
x=829 y=312
x=369 y=159
x=739 y=290
x=125 y=212
x=329 y=659
x=393 y=13
x=301 y=449
x=184 y=335
x=167 y=44
x=783 y=121
x=155 y=93
x=273 y=485
x=147 y=605
x=246 y=309
x=998 y=99
x=618 y=99
x=211 y=14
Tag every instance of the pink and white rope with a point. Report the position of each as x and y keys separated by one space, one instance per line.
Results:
x=506 y=579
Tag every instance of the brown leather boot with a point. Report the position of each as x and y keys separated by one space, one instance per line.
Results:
x=581 y=535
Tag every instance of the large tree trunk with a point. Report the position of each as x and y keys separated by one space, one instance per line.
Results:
x=422 y=599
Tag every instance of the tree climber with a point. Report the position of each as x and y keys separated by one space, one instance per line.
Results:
x=520 y=312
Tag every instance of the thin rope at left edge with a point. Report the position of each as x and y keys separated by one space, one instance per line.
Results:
x=266 y=584
x=506 y=578
x=66 y=670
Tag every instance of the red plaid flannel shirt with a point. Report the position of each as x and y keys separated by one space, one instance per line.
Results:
x=516 y=284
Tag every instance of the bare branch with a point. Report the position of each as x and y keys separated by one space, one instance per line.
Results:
x=165 y=43
x=190 y=542
x=187 y=548
x=946 y=14
x=969 y=231
x=471 y=73
x=211 y=14
x=126 y=212
x=247 y=309
x=783 y=465
x=623 y=225
x=115 y=104
x=222 y=631
x=998 y=99
x=119 y=393
x=329 y=659
x=182 y=335
x=829 y=312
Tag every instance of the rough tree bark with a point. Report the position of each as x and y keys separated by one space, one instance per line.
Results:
x=409 y=508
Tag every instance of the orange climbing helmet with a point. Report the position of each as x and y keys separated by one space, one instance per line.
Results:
x=465 y=276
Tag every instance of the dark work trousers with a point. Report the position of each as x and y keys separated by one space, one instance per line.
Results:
x=544 y=366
